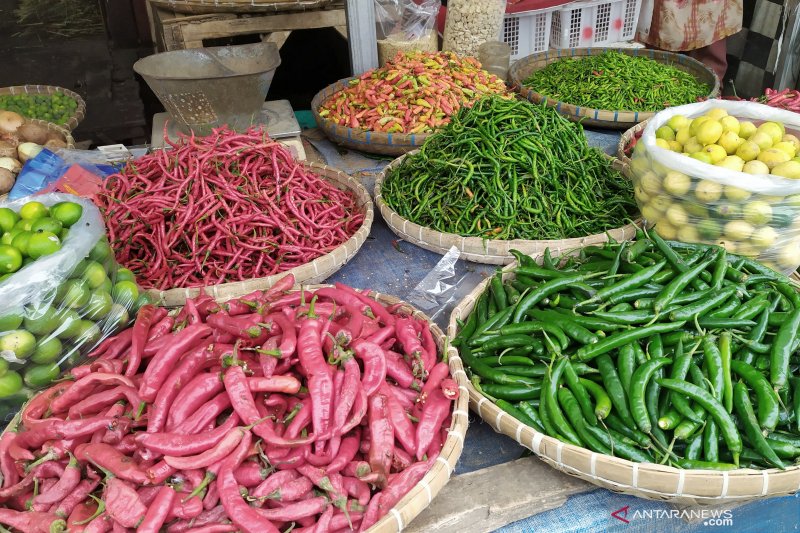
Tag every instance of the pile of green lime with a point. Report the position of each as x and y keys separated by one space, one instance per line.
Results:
x=56 y=108
x=38 y=340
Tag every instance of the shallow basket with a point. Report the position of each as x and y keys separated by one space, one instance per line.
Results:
x=73 y=121
x=626 y=139
x=202 y=7
x=374 y=142
x=313 y=272
x=644 y=480
x=602 y=118
x=421 y=494
x=487 y=251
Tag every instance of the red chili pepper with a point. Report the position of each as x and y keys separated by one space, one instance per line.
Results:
x=320 y=383
x=288 y=343
x=31 y=521
x=403 y=429
x=141 y=330
x=158 y=511
x=246 y=518
x=97 y=402
x=68 y=481
x=198 y=391
x=399 y=371
x=437 y=374
x=412 y=347
x=378 y=310
x=249 y=328
x=357 y=489
x=291 y=491
x=372 y=512
x=239 y=306
x=186 y=369
x=213 y=528
x=204 y=415
x=185 y=509
x=374 y=361
x=450 y=389
x=82 y=512
x=65 y=507
x=381 y=335
x=67 y=429
x=401 y=484
x=40 y=404
x=117 y=347
x=81 y=389
x=283 y=384
x=107 y=458
x=295 y=511
x=210 y=456
x=250 y=474
x=166 y=358
x=381 y=434
x=179 y=444
x=437 y=408
x=100 y=524
x=17 y=453
x=160 y=329
x=123 y=503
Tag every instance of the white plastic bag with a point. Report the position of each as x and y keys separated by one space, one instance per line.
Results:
x=59 y=307
x=754 y=215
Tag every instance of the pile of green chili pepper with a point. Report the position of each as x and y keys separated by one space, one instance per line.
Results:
x=509 y=169
x=617 y=81
x=650 y=350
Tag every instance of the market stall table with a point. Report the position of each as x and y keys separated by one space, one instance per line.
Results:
x=497 y=484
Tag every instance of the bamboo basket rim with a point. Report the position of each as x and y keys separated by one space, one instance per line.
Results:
x=375 y=142
x=618 y=474
x=314 y=271
x=210 y=7
x=422 y=494
x=486 y=251
x=73 y=121
x=627 y=136
x=67 y=134
x=617 y=119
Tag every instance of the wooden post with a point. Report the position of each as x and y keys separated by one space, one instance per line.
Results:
x=361 y=35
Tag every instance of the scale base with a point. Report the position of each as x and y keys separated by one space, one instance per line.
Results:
x=277 y=116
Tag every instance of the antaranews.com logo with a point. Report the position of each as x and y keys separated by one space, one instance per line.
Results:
x=710 y=517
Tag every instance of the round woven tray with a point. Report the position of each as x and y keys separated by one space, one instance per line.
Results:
x=421 y=494
x=645 y=480
x=374 y=142
x=202 y=7
x=603 y=118
x=73 y=121
x=491 y=252
x=626 y=139
x=314 y=272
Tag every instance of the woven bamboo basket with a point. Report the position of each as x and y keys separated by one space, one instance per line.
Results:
x=603 y=118
x=626 y=139
x=374 y=142
x=73 y=121
x=314 y=272
x=644 y=480
x=491 y=252
x=203 y=7
x=422 y=494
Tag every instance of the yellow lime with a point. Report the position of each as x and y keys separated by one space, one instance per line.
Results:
x=43 y=243
x=23 y=225
x=763 y=238
x=650 y=183
x=757 y=213
x=676 y=215
x=20 y=342
x=735 y=194
x=688 y=234
x=7 y=219
x=667 y=230
x=33 y=211
x=738 y=230
x=10 y=259
x=708 y=191
x=118 y=317
x=789 y=255
x=677 y=183
x=666 y=133
x=68 y=213
x=88 y=333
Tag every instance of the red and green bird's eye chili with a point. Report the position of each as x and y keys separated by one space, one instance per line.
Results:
x=744 y=410
x=714 y=408
x=782 y=349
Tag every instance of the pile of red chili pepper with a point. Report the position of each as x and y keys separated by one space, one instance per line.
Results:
x=416 y=92
x=314 y=410
x=226 y=207
x=788 y=99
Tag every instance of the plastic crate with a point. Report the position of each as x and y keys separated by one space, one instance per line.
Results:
x=526 y=27
x=594 y=23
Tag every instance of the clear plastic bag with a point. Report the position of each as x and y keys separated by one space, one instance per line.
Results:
x=470 y=23
x=58 y=307
x=404 y=25
x=753 y=215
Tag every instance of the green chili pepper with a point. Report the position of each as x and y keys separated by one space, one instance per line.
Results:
x=744 y=410
x=639 y=381
x=766 y=397
x=782 y=350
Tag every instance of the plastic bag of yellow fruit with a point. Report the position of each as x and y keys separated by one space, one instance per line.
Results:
x=724 y=172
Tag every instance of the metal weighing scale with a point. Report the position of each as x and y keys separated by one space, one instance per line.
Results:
x=277 y=117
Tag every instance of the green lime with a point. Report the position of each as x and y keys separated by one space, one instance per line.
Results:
x=107 y=285
x=125 y=293
x=70 y=323
x=24 y=225
x=94 y=274
x=33 y=211
x=20 y=342
x=99 y=305
x=76 y=293
x=9 y=236
x=101 y=251
x=43 y=243
x=124 y=274
x=77 y=273
x=3 y=367
x=47 y=351
x=38 y=376
x=46 y=224
x=10 y=383
x=20 y=242
x=117 y=318
x=11 y=320
x=68 y=213
x=709 y=229
x=88 y=334
x=10 y=259
x=7 y=219
x=63 y=234
x=42 y=322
